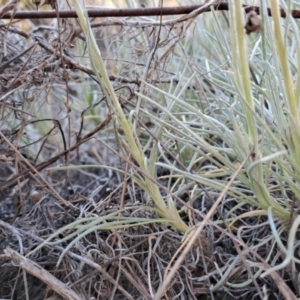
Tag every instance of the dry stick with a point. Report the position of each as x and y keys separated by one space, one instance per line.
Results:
x=35 y=270
x=15 y=30
x=17 y=231
x=31 y=167
x=124 y=186
x=20 y=232
x=135 y=12
x=121 y=201
x=128 y=272
x=12 y=83
x=11 y=5
x=16 y=109
x=6 y=64
x=195 y=234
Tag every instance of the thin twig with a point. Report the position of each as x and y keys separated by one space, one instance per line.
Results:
x=135 y=12
x=9 y=183
x=33 y=170
x=34 y=269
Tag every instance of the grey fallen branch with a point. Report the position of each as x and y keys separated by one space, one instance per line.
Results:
x=34 y=269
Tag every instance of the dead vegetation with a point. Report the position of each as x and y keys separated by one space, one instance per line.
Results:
x=53 y=113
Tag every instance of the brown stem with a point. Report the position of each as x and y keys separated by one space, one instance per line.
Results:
x=134 y=12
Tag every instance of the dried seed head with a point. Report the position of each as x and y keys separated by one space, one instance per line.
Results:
x=253 y=22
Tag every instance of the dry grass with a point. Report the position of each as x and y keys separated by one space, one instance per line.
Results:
x=68 y=177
